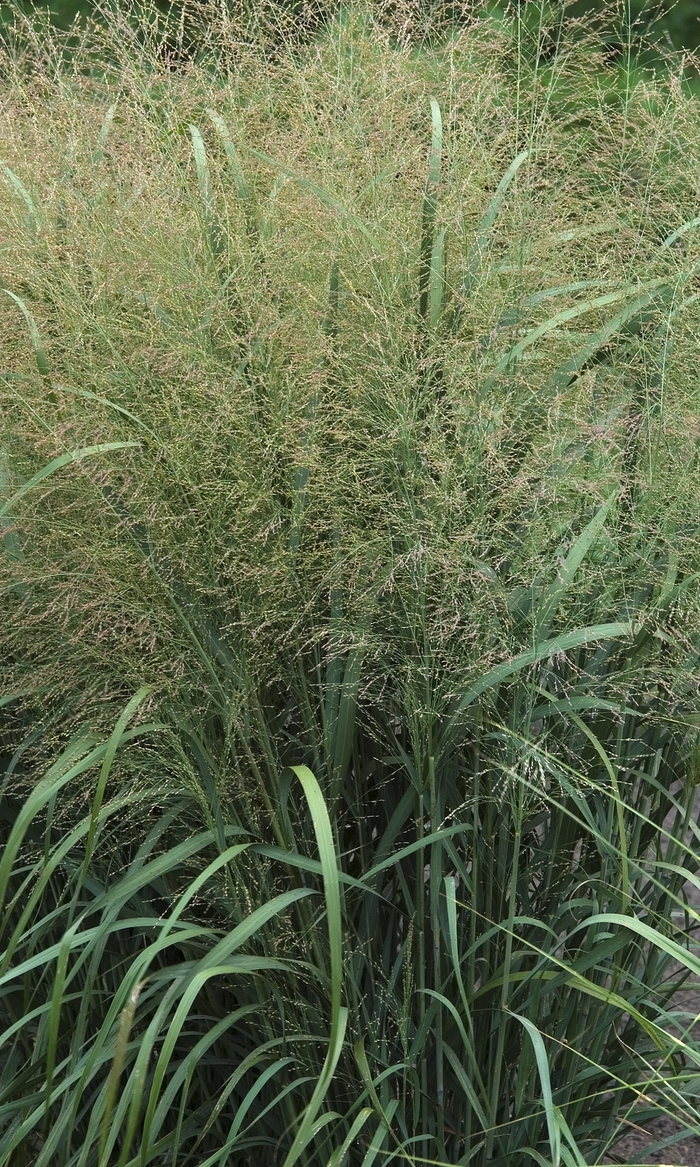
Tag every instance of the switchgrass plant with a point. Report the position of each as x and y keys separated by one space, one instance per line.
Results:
x=349 y=599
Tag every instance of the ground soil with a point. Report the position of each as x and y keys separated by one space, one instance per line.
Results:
x=685 y=1153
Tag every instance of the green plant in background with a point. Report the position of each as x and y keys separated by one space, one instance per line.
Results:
x=349 y=595
x=678 y=20
x=676 y=24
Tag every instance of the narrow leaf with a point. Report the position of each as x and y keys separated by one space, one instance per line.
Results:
x=472 y=269
x=437 y=281
x=573 y=561
x=41 y=362
x=59 y=463
x=549 y=648
x=572 y=313
x=430 y=202
x=215 y=234
x=543 y=1068
x=98 y=153
x=243 y=192
x=24 y=194
x=110 y=753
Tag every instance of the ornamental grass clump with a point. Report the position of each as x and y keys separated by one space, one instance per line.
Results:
x=349 y=595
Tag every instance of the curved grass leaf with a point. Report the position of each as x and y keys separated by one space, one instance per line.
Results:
x=474 y=261
x=98 y=152
x=243 y=191
x=543 y=1068
x=339 y=1015
x=567 y=572
x=42 y=363
x=598 y=339
x=549 y=648
x=115 y=1073
x=319 y=192
x=112 y=747
x=21 y=190
x=214 y=231
x=58 y=464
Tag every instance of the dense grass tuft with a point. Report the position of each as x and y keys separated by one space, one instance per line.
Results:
x=349 y=494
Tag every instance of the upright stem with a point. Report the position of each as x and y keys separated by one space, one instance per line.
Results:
x=475 y=875
x=497 y=1067
x=420 y=912
x=435 y=879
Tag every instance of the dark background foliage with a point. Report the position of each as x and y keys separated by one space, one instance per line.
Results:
x=677 y=24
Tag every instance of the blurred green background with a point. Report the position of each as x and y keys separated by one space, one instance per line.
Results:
x=677 y=24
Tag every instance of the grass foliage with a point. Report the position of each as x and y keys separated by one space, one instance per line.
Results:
x=349 y=598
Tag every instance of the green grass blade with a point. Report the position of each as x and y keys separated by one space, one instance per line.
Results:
x=181 y=1079
x=253 y=1093
x=630 y=316
x=46 y=870
x=386 y=1114
x=42 y=363
x=339 y=1015
x=21 y=190
x=415 y=847
x=98 y=152
x=110 y=753
x=467 y=1086
x=55 y=1014
x=111 y=405
x=619 y=806
x=138 y=877
x=243 y=191
x=207 y=970
x=689 y=225
x=549 y=648
x=430 y=204
x=75 y=759
x=58 y=464
x=451 y=901
x=203 y=176
x=319 y=192
x=380 y=1136
x=437 y=281
x=651 y=290
x=474 y=261
x=214 y=231
x=546 y=1084
x=133 y=1092
x=339 y=1156
x=331 y=885
x=342 y=728
x=494 y=207
x=254 y=1059
x=304 y=863
x=198 y=883
x=567 y=572
x=650 y=935
x=239 y=179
